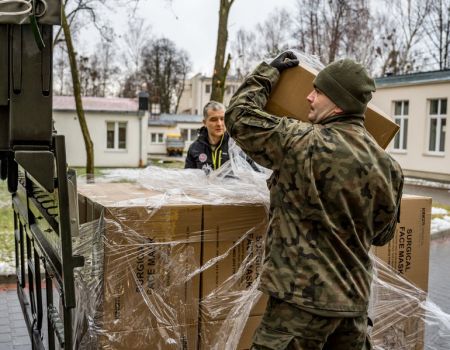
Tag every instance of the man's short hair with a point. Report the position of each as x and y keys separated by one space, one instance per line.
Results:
x=212 y=106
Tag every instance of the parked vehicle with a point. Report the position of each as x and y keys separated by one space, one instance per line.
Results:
x=174 y=145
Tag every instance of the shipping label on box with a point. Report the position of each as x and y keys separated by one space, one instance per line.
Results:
x=288 y=99
x=409 y=251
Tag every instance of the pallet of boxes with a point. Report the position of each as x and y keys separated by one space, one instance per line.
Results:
x=178 y=272
x=167 y=273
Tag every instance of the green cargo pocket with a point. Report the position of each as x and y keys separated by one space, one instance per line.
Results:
x=271 y=338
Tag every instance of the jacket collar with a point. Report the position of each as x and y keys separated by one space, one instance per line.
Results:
x=357 y=119
x=203 y=136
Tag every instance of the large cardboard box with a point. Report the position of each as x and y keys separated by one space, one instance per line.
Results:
x=409 y=251
x=288 y=98
x=234 y=235
x=228 y=238
x=150 y=252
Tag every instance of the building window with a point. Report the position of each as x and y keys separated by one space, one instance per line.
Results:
x=438 y=123
x=208 y=88
x=401 y=111
x=155 y=108
x=156 y=138
x=116 y=135
x=189 y=135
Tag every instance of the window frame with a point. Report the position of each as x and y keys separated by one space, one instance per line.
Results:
x=159 y=138
x=439 y=117
x=116 y=135
x=402 y=135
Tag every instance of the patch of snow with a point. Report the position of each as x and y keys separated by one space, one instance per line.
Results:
x=438 y=211
x=438 y=224
x=115 y=175
x=6 y=268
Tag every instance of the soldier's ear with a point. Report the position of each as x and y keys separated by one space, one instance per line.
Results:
x=338 y=110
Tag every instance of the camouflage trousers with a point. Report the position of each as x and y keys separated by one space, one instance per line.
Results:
x=285 y=326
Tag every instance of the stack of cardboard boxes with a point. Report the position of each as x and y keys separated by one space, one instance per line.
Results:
x=183 y=275
x=400 y=324
x=175 y=275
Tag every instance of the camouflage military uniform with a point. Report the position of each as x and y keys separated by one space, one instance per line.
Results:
x=333 y=193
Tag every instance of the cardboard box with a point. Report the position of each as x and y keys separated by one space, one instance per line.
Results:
x=146 y=280
x=166 y=338
x=288 y=98
x=224 y=227
x=224 y=334
x=397 y=311
x=409 y=251
x=236 y=232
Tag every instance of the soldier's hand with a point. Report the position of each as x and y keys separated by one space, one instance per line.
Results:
x=285 y=60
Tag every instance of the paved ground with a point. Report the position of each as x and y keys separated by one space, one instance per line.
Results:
x=13 y=332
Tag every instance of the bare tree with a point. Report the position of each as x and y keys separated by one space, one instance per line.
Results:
x=221 y=66
x=164 y=69
x=438 y=32
x=334 y=28
x=244 y=52
x=307 y=30
x=60 y=70
x=134 y=41
x=401 y=49
x=274 y=33
x=77 y=95
x=136 y=38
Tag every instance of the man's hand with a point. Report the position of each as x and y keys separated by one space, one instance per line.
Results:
x=285 y=60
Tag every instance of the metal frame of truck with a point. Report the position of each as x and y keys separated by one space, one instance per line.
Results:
x=43 y=189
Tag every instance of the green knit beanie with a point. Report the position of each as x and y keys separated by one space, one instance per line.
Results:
x=347 y=84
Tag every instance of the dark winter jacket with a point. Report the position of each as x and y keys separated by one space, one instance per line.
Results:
x=201 y=156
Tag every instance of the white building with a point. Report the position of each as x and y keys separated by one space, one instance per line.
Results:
x=419 y=104
x=182 y=124
x=197 y=92
x=118 y=133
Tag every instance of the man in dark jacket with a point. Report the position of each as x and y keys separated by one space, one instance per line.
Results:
x=210 y=150
x=333 y=192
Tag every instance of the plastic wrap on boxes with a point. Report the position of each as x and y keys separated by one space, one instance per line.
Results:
x=173 y=262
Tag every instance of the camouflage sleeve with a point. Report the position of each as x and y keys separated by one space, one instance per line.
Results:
x=388 y=233
x=262 y=136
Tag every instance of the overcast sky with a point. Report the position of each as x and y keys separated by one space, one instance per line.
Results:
x=192 y=24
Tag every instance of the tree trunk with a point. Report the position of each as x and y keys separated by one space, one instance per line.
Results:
x=220 y=67
x=78 y=102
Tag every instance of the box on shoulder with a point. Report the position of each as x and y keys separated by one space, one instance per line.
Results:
x=288 y=99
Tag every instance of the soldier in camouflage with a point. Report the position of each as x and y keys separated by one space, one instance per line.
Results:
x=333 y=192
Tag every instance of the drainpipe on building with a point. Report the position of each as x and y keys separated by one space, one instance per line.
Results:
x=143 y=107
